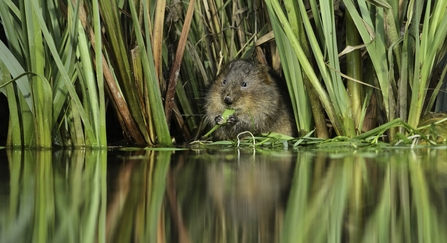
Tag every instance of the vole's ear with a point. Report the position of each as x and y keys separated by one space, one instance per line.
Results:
x=250 y=66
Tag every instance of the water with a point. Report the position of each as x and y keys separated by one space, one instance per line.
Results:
x=338 y=195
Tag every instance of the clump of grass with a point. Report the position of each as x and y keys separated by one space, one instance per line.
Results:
x=377 y=25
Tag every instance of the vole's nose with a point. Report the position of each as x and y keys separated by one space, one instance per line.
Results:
x=228 y=100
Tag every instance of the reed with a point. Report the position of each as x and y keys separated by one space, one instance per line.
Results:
x=47 y=103
x=377 y=24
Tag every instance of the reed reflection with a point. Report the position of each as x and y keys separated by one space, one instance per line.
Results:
x=390 y=195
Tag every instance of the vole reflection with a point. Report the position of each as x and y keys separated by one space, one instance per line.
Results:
x=245 y=194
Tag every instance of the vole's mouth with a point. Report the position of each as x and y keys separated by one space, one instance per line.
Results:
x=233 y=108
x=230 y=107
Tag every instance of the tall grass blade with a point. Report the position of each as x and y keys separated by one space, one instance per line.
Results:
x=169 y=99
x=63 y=71
x=371 y=32
x=100 y=124
x=293 y=75
x=87 y=76
x=157 y=39
x=16 y=69
x=434 y=33
x=336 y=89
x=16 y=133
x=40 y=88
x=354 y=70
x=156 y=106
x=124 y=91
x=307 y=68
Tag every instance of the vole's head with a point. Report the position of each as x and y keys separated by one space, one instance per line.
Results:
x=241 y=83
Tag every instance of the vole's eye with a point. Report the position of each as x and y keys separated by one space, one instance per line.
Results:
x=224 y=81
x=243 y=84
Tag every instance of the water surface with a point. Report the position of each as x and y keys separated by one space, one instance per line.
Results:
x=231 y=195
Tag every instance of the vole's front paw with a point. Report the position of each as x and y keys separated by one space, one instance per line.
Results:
x=220 y=120
x=232 y=119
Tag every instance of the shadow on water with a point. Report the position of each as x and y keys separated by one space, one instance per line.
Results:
x=386 y=195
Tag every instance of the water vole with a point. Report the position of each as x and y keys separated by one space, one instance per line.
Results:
x=254 y=93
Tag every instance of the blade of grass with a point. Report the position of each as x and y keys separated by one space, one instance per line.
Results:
x=74 y=127
x=275 y=8
x=354 y=70
x=161 y=126
x=91 y=104
x=68 y=55
x=15 y=130
x=334 y=84
x=173 y=77
x=15 y=68
x=374 y=45
x=101 y=124
x=434 y=33
x=434 y=97
x=40 y=88
x=65 y=77
x=11 y=23
x=318 y=113
x=157 y=38
x=118 y=54
x=129 y=125
x=293 y=74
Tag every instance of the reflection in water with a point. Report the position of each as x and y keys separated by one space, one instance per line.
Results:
x=52 y=197
x=389 y=195
x=137 y=187
x=236 y=196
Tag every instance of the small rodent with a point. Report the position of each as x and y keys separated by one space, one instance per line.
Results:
x=254 y=93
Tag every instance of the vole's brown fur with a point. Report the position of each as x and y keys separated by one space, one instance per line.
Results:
x=260 y=105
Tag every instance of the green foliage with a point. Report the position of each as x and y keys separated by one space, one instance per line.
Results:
x=49 y=106
x=62 y=98
x=360 y=64
x=415 y=53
